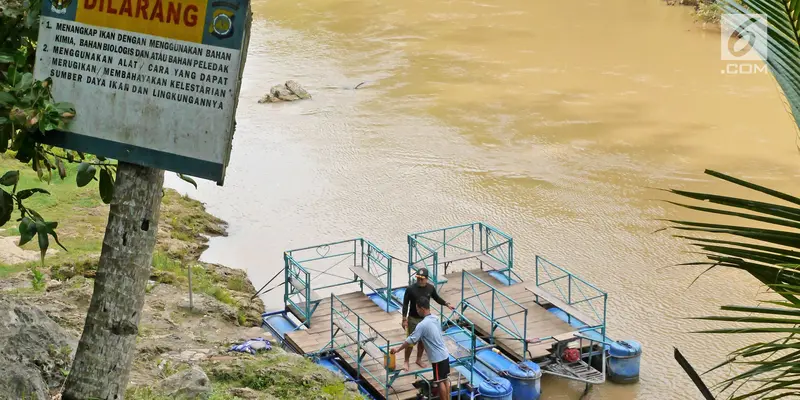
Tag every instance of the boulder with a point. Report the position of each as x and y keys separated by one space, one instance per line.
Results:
x=21 y=382
x=35 y=352
x=189 y=384
x=289 y=91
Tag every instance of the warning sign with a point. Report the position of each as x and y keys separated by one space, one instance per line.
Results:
x=155 y=82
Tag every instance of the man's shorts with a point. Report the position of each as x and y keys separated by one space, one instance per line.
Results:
x=441 y=370
x=412 y=324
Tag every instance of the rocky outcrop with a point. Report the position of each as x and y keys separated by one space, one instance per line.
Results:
x=289 y=91
x=35 y=352
x=189 y=384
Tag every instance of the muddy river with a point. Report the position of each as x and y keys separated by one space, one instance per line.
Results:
x=549 y=120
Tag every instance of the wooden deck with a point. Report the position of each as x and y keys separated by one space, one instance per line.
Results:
x=390 y=326
x=540 y=323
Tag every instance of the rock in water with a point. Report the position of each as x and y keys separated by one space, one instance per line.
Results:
x=32 y=346
x=289 y=91
x=297 y=90
x=191 y=384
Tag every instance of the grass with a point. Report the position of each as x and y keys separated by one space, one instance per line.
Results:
x=709 y=12
x=218 y=392
x=7 y=270
x=282 y=375
x=78 y=210
x=273 y=373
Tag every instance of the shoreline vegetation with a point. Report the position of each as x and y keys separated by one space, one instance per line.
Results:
x=181 y=351
x=708 y=12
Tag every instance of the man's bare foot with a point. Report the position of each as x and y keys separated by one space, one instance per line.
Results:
x=406 y=367
x=422 y=364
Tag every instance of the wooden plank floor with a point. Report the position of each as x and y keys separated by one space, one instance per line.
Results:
x=540 y=323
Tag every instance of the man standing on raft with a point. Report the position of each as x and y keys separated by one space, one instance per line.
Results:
x=414 y=294
x=429 y=331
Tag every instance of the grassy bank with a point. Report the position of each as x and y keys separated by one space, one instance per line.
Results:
x=173 y=334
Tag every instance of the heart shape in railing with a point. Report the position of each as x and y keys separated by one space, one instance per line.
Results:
x=323 y=250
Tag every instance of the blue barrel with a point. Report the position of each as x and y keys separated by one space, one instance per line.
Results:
x=525 y=379
x=280 y=325
x=623 y=361
x=464 y=337
x=499 y=389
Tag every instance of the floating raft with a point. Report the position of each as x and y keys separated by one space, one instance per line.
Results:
x=342 y=304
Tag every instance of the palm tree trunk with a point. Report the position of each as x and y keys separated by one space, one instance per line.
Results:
x=103 y=359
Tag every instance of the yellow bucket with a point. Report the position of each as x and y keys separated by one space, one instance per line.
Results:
x=390 y=361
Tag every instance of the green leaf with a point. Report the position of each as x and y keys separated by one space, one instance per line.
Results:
x=25 y=193
x=85 y=175
x=64 y=106
x=10 y=178
x=6 y=99
x=188 y=179
x=6 y=207
x=51 y=229
x=32 y=17
x=62 y=170
x=106 y=186
x=3 y=121
x=24 y=83
x=44 y=240
x=27 y=229
x=6 y=57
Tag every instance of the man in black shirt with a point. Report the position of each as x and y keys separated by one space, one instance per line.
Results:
x=422 y=289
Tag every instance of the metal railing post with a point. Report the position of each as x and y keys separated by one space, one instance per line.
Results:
x=410 y=255
x=510 y=258
x=285 y=280
x=463 y=278
x=493 y=322
x=473 y=236
x=480 y=236
x=525 y=335
x=308 y=299
x=605 y=304
x=358 y=343
x=388 y=284
x=569 y=290
x=436 y=270
x=444 y=243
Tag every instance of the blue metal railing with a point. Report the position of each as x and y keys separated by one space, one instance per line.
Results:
x=431 y=248
x=573 y=291
x=422 y=256
x=497 y=311
x=295 y=272
x=379 y=264
x=359 y=334
x=304 y=267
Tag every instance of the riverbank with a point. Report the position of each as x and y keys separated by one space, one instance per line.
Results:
x=182 y=348
x=708 y=12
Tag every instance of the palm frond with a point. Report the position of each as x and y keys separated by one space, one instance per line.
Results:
x=771 y=254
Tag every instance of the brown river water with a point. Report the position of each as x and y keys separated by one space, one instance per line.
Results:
x=551 y=120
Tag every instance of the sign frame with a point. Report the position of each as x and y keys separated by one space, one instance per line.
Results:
x=132 y=151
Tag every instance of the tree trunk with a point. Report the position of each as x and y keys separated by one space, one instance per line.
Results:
x=103 y=359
